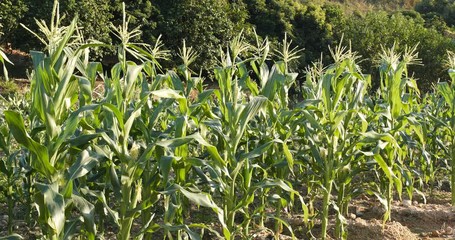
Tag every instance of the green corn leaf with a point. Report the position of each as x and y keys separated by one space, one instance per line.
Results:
x=257 y=151
x=93 y=68
x=398 y=183
x=167 y=93
x=165 y=163
x=41 y=162
x=116 y=113
x=129 y=124
x=79 y=141
x=114 y=179
x=326 y=91
x=287 y=153
x=85 y=90
x=70 y=230
x=173 y=94
x=66 y=84
x=448 y=93
x=132 y=77
x=341 y=86
x=200 y=199
x=385 y=168
x=310 y=117
x=69 y=33
x=82 y=166
x=88 y=213
x=70 y=126
x=176 y=81
x=54 y=205
x=12 y=237
x=191 y=234
x=37 y=58
x=251 y=109
x=372 y=136
x=176 y=142
x=286 y=224
x=213 y=151
x=102 y=198
x=204 y=96
x=3 y=59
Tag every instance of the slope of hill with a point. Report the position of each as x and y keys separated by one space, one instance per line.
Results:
x=363 y=6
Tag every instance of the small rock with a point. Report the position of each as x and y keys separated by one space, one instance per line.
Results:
x=445 y=186
x=435 y=233
x=407 y=203
x=448 y=231
x=358 y=213
x=415 y=203
x=352 y=216
x=360 y=220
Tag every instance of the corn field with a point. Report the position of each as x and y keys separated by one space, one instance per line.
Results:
x=155 y=154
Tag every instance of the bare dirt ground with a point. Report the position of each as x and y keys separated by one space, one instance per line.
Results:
x=434 y=220
x=410 y=220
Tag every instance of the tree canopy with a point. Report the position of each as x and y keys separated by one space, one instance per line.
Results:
x=206 y=25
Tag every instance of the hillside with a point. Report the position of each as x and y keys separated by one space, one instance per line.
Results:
x=363 y=6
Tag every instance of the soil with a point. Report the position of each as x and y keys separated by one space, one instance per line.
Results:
x=410 y=220
x=22 y=63
x=434 y=220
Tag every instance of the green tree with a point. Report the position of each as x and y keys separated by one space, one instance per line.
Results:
x=11 y=12
x=316 y=28
x=368 y=34
x=205 y=25
x=93 y=17
x=443 y=8
x=273 y=18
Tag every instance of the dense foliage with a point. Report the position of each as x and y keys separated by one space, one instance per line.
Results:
x=402 y=31
x=205 y=25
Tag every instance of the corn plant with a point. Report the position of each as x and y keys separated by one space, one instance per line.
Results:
x=3 y=60
x=274 y=83
x=391 y=123
x=330 y=126
x=52 y=132
x=447 y=91
x=235 y=119
x=9 y=168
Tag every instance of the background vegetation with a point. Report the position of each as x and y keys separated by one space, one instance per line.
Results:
x=206 y=24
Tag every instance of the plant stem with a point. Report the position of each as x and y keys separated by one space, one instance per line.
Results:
x=325 y=206
x=389 y=201
x=126 y=222
x=339 y=225
x=453 y=170
x=10 y=208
